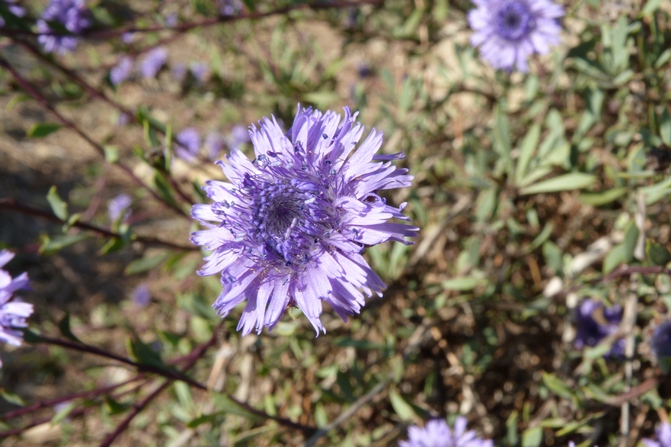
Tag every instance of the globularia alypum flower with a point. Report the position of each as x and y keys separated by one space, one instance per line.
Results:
x=663 y=433
x=13 y=313
x=594 y=322
x=72 y=14
x=509 y=31
x=436 y=433
x=289 y=227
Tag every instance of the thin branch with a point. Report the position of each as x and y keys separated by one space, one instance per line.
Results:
x=71 y=125
x=9 y=203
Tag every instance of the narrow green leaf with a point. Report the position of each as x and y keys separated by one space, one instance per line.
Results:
x=40 y=130
x=603 y=197
x=57 y=243
x=527 y=149
x=225 y=404
x=650 y=7
x=111 y=154
x=145 y=263
x=144 y=354
x=203 y=419
x=557 y=386
x=58 y=206
x=566 y=182
x=12 y=398
x=401 y=407
x=63 y=413
x=665 y=127
x=615 y=257
x=630 y=239
x=64 y=327
x=463 y=284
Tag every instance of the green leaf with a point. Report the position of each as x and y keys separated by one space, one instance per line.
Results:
x=650 y=7
x=57 y=243
x=532 y=437
x=64 y=326
x=603 y=197
x=203 y=419
x=145 y=263
x=114 y=407
x=144 y=354
x=12 y=398
x=615 y=257
x=566 y=182
x=111 y=154
x=557 y=386
x=527 y=150
x=463 y=284
x=63 y=413
x=40 y=130
x=227 y=405
x=657 y=254
x=58 y=206
x=630 y=240
x=665 y=127
x=401 y=407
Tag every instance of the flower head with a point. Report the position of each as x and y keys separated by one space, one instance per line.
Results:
x=121 y=71
x=119 y=206
x=595 y=322
x=153 y=62
x=436 y=433
x=214 y=142
x=72 y=14
x=288 y=228
x=13 y=8
x=239 y=135
x=509 y=31
x=188 y=144
x=141 y=295
x=13 y=313
x=663 y=433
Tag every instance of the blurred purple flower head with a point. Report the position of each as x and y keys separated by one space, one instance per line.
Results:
x=436 y=433
x=171 y=20
x=660 y=343
x=142 y=295
x=119 y=207
x=121 y=71
x=72 y=14
x=239 y=135
x=124 y=118
x=187 y=144
x=229 y=7
x=214 y=142
x=509 y=31
x=179 y=72
x=13 y=313
x=127 y=37
x=198 y=70
x=13 y=8
x=288 y=228
x=663 y=433
x=153 y=62
x=595 y=322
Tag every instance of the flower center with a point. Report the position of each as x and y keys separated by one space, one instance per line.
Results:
x=291 y=218
x=514 y=20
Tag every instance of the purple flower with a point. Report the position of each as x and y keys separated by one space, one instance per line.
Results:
x=288 y=228
x=123 y=119
x=239 y=136
x=660 y=343
x=72 y=14
x=188 y=144
x=121 y=71
x=141 y=295
x=13 y=313
x=509 y=31
x=595 y=322
x=153 y=62
x=13 y=8
x=198 y=70
x=229 y=7
x=663 y=433
x=179 y=72
x=214 y=142
x=171 y=20
x=119 y=206
x=436 y=433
